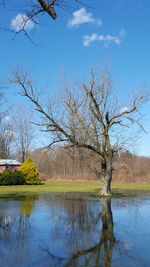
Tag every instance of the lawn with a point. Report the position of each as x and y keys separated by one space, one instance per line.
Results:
x=68 y=187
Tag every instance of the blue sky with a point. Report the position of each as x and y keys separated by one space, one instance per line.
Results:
x=117 y=30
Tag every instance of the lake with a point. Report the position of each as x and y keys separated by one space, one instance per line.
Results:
x=74 y=230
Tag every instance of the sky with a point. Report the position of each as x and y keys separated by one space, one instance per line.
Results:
x=117 y=31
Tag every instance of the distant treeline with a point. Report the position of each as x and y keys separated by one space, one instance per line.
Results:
x=76 y=163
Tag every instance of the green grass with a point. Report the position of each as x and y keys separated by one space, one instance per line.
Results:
x=132 y=186
x=68 y=187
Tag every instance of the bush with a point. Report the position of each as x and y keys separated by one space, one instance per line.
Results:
x=28 y=168
x=9 y=177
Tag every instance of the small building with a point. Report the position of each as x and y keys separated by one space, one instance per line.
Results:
x=9 y=164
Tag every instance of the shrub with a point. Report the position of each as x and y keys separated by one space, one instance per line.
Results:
x=9 y=177
x=28 y=168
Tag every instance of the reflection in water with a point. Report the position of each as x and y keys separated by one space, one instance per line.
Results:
x=100 y=254
x=64 y=231
x=27 y=205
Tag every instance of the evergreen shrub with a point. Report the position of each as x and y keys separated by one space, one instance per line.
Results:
x=28 y=168
x=9 y=177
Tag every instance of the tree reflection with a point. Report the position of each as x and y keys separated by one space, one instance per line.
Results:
x=23 y=225
x=66 y=232
x=27 y=205
x=101 y=253
x=14 y=243
x=87 y=232
x=17 y=225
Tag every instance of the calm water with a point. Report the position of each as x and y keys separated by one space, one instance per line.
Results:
x=53 y=230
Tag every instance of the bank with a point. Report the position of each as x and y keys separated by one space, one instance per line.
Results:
x=70 y=187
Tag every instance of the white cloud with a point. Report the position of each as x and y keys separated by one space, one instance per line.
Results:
x=88 y=39
x=20 y=22
x=124 y=109
x=82 y=16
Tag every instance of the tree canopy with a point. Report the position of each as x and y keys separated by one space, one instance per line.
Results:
x=90 y=116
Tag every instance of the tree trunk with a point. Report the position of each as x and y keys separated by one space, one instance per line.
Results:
x=23 y=156
x=106 y=176
x=107 y=236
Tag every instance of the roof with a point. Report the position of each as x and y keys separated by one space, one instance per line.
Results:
x=11 y=162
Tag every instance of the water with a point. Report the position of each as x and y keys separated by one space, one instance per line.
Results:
x=57 y=230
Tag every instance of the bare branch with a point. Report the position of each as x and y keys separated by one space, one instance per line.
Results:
x=90 y=120
x=54 y=142
x=48 y=8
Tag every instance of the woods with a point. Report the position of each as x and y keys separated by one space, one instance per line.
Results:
x=74 y=164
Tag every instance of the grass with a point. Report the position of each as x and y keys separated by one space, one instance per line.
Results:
x=69 y=187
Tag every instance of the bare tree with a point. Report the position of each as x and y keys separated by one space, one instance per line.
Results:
x=2 y=106
x=23 y=130
x=6 y=133
x=91 y=117
x=6 y=138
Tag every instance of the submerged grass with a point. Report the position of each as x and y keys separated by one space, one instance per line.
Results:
x=71 y=187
